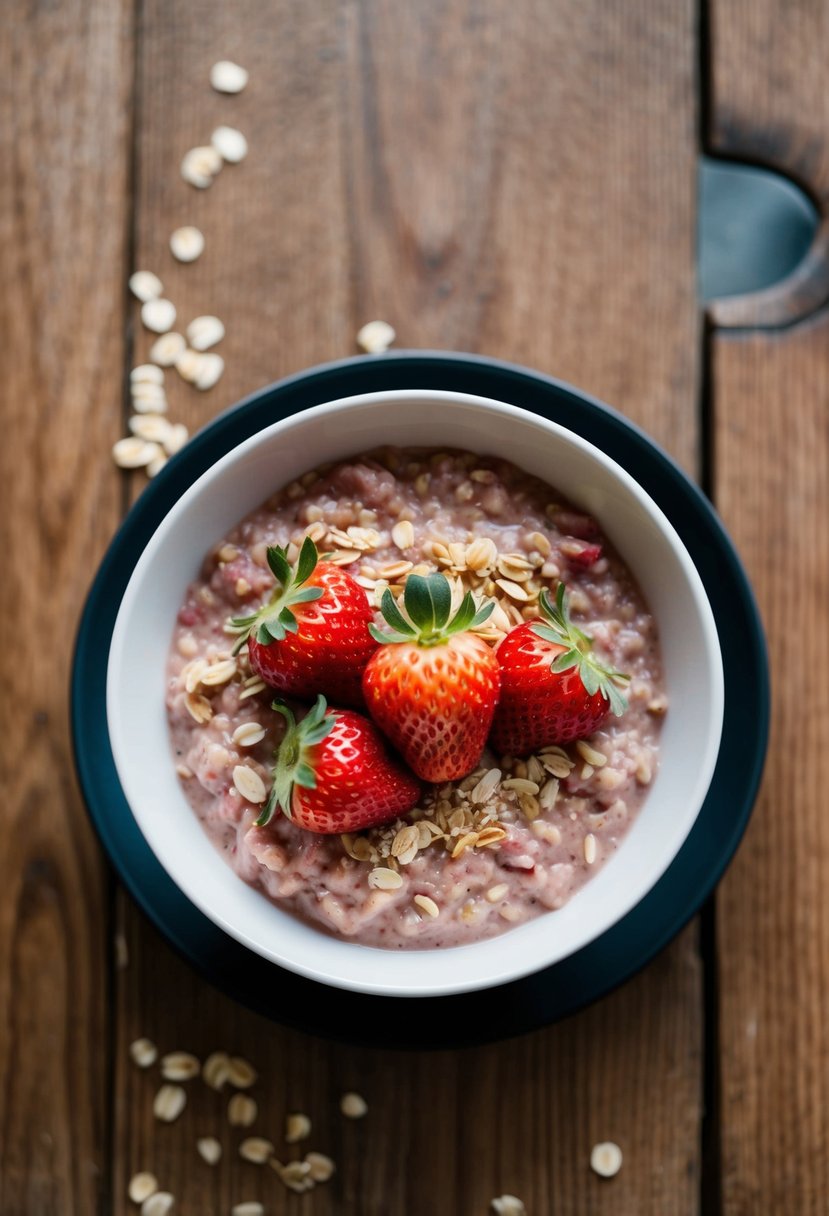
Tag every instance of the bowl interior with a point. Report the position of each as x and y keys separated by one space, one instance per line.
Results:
x=240 y=482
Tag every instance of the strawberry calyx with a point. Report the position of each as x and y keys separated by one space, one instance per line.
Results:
x=427 y=600
x=294 y=766
x=276 y=619
x=557 y=627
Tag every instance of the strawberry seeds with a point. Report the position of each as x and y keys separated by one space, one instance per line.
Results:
x=426 y=562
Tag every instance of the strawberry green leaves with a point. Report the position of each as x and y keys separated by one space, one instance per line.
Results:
x=557 y=627
x=428 y=604
x=294 y=766
x=276 y=619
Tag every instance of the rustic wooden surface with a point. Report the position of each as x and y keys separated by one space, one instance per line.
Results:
x=64 y=144
x=518 y=180
x=770 y=392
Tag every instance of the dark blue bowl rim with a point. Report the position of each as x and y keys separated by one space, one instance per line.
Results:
x=556 y=991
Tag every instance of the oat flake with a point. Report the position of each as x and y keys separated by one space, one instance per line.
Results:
x=353 y=1105
x=142 y=1186
x=187 y=243
x=249 y=784
x=209 y=1149
x=145 y=285
x=144 y=1053
x=158 y=1204
x=241 y=1111
x=167 y=349
x=159 y=315
x=204 y=332
x=606 y=1159
x=375 y=337
x=228 y=77
x=169 y=1103
x=230 y=144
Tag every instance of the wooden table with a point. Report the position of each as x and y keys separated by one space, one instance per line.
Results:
x=517 y=179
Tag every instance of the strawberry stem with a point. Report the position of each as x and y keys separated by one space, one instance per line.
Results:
x=428 y=620
x=557 y=627
x=294 y=764
x=276 y=619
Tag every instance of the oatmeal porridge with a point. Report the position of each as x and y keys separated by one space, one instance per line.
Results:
x=519 y=834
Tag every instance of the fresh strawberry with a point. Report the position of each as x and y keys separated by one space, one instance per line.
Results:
x=312 y=636
x=334 y=773
x=553 y=689
x=432 y=686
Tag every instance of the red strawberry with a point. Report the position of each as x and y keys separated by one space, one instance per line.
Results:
x=553 y=689
x=334 y=773
x=312 y=636
x=432 y=687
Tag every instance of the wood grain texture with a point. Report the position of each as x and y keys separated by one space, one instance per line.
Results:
x=770 y=104
x=772 y=478
x=516 y=181
x=65 y=74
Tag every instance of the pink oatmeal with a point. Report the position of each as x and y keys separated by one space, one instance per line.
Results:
x=518 y=836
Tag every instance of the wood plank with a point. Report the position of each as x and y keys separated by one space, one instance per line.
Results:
x=772 y=477
x=64 y=109
x=768 y=104
x=463 y=171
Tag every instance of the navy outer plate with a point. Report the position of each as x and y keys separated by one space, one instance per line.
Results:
x=556 y=991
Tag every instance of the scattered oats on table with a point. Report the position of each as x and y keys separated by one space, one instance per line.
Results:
x=158 y=315
x=230 y=144
x=209 y=1149
x=204 y=332
x=143 y=1053
x=169 y=1102
x=142 y=1186
x=200 y=165
x=145 y=285
x=606 y=1159
x=187 y=244
x=228 y=77
x=375 y=337
x=508 y=1205
x=353 y=1105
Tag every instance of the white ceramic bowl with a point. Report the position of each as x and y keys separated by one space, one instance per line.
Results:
x=245 y=478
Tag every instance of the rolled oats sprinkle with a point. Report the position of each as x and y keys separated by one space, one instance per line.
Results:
x=169 y=1103
x=320 y=1167
x=159 y=315
x=606 y=1159
x=230 y=144
x=249 y=784
x=204 y=332
x=167 y=349
x=179 y=1066
x=375 y=337
x=144 y=1053
x=297 y=1127
x=241 y=1073
x=512 y=812
x=242 y=1110
x=209 y=1149
x=145 y=285
x=256 y=1149
x=228 y=77
x=159 y=1204
x=508 y=1205
x=141 y=1186
x=427 y=905
x=187 y=243
x=353 y=1105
